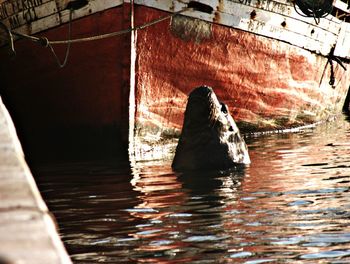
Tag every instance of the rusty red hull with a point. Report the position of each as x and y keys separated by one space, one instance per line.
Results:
x=267 y=84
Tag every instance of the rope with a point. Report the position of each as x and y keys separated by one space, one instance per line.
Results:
x=9 y=38
x=48 y=43
x=331 y=78
x=104 y=36
x=330 y=60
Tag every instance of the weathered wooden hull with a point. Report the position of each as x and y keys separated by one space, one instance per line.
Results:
x=139 y=82
x=78 y=104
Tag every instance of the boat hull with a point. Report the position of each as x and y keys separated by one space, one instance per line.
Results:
x=136 y=85
x=267 y=84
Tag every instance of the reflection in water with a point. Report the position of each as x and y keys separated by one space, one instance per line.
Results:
x=291 y=205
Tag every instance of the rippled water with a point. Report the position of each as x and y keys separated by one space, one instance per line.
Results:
x=291 y=205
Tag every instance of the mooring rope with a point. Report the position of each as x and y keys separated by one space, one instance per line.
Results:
x=44 y=41
x=103 y=36
x=9 y=37
x=47 y=43
x=330 y=58
x=125 y=31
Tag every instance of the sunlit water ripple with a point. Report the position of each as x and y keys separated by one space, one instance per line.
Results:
x=291 y=205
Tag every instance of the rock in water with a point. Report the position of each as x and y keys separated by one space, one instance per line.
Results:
x=210 y=138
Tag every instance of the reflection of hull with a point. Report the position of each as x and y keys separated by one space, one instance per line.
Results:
x=269 y=65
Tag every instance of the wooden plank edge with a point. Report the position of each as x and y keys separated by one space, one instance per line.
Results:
x=50 y=224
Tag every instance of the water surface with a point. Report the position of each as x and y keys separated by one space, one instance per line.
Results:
x=291 y=205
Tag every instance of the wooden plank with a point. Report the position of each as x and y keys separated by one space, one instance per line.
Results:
x=31 y=15
x=342 y=6
x=294 y=32
x=342 y=49
x=272 y=18
x=15 y=16
x=11 y=7
x=328 y=23
x=44 y=14
x=41 y=25
x=28 y=232
x=94 y=6
x=280 y=7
